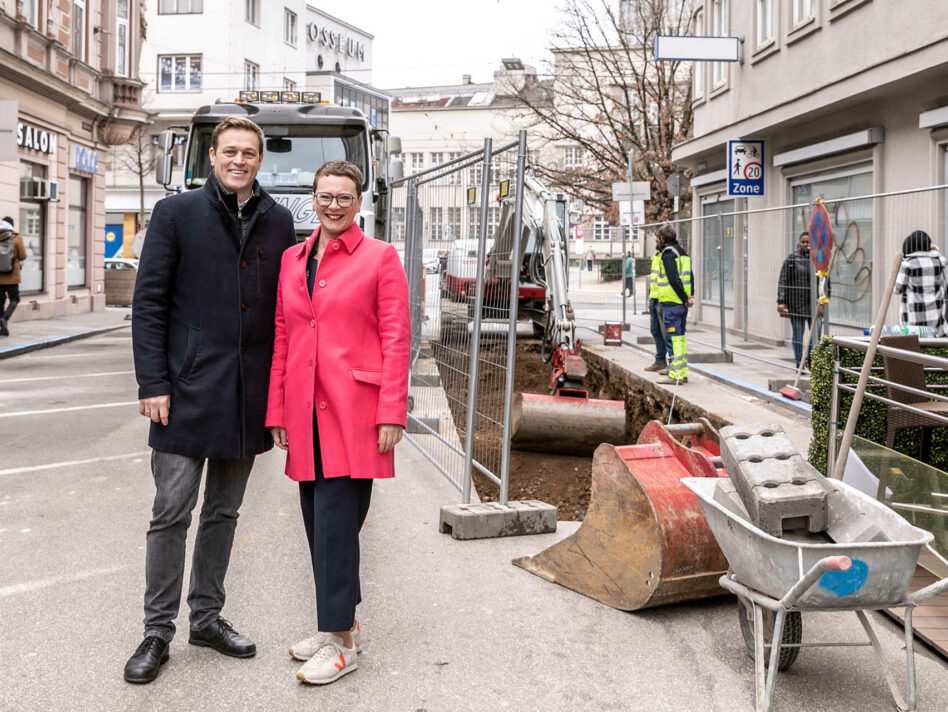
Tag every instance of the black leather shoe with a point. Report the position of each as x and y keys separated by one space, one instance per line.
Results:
x=221 y=636
x=147 y=659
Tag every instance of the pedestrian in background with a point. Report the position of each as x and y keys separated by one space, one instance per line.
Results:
x=338 y=400
x=921 y=282
x=628 y=272
x=590 y=256
x=656 y=324
x=12 y=253
x=675 y=285
x=796 y=295
x=202 y=330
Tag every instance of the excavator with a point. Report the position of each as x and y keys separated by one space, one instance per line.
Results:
x=566 y=420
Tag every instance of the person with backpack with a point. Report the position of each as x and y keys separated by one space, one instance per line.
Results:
x=12 y=253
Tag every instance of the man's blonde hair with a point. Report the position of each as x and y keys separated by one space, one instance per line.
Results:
x=236 y=122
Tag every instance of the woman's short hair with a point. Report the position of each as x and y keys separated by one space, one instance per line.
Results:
x=237 y=122
x=344 y=169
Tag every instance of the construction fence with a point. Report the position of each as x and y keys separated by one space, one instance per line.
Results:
x=463 y=330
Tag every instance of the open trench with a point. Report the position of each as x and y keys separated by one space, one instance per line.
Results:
x=562 y=481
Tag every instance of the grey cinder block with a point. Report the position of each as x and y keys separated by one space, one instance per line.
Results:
x=415 y=423
x=426 y=379
x=486 y=520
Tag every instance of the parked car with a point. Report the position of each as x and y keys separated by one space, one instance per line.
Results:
x=119 y=263
x=431 y=259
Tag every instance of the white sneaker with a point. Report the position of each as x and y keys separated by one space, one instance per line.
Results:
x=305 y=649
x=331 y=661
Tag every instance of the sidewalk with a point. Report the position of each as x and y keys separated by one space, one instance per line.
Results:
x=32 y=334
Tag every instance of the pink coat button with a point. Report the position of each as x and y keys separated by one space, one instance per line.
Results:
x=322 y=283
x=322 y=405
x=312 y=323
x=335 y=246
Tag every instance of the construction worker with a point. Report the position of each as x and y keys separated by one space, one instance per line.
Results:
x=674 y=296
x=656 y=326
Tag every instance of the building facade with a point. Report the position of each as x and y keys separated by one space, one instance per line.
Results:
x=849 y=98
x=200 y=52
x=69 y=79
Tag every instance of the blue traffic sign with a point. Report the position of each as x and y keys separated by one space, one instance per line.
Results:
x=745 y=167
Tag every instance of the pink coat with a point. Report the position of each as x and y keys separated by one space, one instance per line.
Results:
x=344 y=353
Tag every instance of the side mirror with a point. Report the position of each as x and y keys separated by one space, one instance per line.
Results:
x=166 y=141
x=394 y=144
x=163 y=168
x=396 y=169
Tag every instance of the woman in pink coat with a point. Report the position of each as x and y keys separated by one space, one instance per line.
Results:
x=338 y=399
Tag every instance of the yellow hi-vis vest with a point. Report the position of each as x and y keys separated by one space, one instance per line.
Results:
x=654 y=276
x=665 y=292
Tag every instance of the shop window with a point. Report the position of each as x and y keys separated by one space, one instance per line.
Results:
x=851 y=223
x=180 y=7
x=77 y=232
x=717 y=253
x=180 y=72
x=32 y=226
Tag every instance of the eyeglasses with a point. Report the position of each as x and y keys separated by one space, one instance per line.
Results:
x=343 y=200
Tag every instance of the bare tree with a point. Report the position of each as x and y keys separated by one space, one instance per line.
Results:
x=139 y=158
x=610 y=96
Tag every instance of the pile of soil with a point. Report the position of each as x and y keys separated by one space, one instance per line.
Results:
x=558 y=480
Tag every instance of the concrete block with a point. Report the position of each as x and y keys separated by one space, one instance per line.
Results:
x=486 y=520
x=777 y=486
x=415 y=423
x=426 y=379
x=710 y=356
x=775 y=384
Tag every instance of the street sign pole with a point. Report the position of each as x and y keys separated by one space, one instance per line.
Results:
x=625 y=251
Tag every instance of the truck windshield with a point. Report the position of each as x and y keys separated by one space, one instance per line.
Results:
x=290 y=160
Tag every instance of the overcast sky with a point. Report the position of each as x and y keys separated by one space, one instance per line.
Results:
x=429 y=42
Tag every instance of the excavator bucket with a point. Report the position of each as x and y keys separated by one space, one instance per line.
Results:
x=565 y=425
x=644 y=541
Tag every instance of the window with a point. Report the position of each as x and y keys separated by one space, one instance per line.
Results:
x=718 y=29
x=698 y=76
x=437 y=159
x=251 y=75
x=180 y=72
x=288 y=84
x=600 y=229
x=452 y=230
x=765 y=22
x=31 y=11
x=79 y=29
x=121 y=38
x=717 y=252
x=572 y=156
x=289 y=27
x=852 y=226
x=77 y=232
x=180 y=7
x=473 y=221
x=476 y=172
x=417 y=162
x=434 y=224
x=454 y=178
x=32 y=227
x=398 y=224
x=252 y=12
x=802 y=11
x=493 y=219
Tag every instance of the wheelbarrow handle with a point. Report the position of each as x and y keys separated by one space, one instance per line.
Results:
x=829 y=563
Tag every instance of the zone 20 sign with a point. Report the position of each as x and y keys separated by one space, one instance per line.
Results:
x=745 y=167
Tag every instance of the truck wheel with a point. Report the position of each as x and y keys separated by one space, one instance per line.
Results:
x=792 y=633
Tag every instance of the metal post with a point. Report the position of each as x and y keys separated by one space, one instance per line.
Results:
x=476 y=334
x=512 y=319
x=833 y=420
x=744 y=260
x=413 y=267
x=721 y=278
x=631 y=222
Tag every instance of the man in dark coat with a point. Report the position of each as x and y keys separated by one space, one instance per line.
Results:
x=796 y=294
x=202 y=331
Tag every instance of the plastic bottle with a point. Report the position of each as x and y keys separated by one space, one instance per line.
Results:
x=923 y=332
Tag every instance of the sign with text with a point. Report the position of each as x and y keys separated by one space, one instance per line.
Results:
x=640 y=190
x=745 y=168
x=85 y=159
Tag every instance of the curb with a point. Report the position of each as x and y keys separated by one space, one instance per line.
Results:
x=48 y=343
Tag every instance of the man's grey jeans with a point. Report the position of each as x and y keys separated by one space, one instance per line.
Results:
x=177 y=481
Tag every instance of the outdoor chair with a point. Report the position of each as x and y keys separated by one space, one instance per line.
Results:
x=910 y=374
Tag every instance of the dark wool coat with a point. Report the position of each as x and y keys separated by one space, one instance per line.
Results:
x=202 y=321
x=795 y=286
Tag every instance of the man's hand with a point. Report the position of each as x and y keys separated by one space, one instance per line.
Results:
x=156 y=408
x=782 y=309
x=819 y=310
x=690 y=303
x=389 y=435
x=279 y=437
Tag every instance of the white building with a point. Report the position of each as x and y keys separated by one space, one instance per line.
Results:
x=849 y=97
x=199 y=52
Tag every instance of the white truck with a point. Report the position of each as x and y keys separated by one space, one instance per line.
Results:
x=299 y=139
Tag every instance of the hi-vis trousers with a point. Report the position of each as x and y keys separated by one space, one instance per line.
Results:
x=674 y=317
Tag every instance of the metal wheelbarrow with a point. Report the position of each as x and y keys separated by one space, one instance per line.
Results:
x=865 y=561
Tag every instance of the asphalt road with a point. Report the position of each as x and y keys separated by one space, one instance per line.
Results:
x=447 y=625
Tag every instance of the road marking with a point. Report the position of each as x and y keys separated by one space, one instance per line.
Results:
x=66 y=410
x=73 y=463
x=78 y=375
x=59 y=580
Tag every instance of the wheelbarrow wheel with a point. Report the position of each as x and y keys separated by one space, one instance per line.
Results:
x=792 y=633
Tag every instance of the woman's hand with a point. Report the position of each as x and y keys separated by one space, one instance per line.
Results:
x=389 y=435
x=279 y=437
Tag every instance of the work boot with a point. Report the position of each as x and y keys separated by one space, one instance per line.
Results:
x=221 y=636
x=663 y=371
x=657 y=366
x=672 y=381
